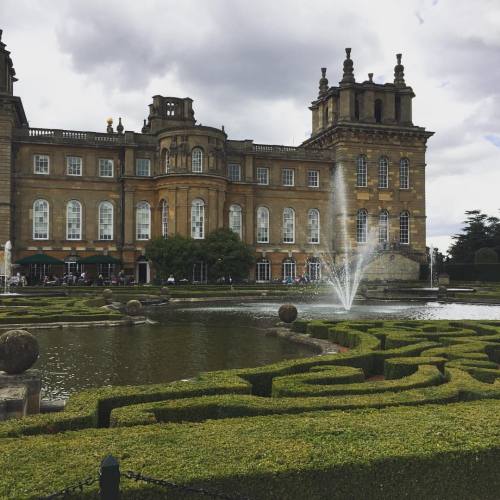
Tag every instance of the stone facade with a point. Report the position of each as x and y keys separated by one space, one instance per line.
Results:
x=174 y=166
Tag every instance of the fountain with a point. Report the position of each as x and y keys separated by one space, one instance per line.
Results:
x=345 y=276
x=7 y=266
x=432 y=257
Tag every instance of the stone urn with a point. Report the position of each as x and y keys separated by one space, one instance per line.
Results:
x=287 y=313
x=18 y=351
x=133 y=308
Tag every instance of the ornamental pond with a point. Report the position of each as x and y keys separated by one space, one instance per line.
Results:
x=191 y=339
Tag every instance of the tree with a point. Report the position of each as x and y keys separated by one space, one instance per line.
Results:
x=486 y=255
x=227 y=256
x=175 y=255
x=477 y=233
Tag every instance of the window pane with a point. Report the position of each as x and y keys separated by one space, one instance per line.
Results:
x=143 y=167
x=288 y=176
x=235 y=219
x=262 y=225
x=263 y=175
x=313 y=226
x=263 y=271
x=74 y=220
x=234 y=172
x=40 y=220
x=197 y=160
x=164 y=218
x=143 y=221
x=361 y=226
x=105 y=221
x=383 y=180
x=74 y=165
x=198 y=219
x=288 y=225
x=404 y=174
x=105 y=168
x=383 y=227
x=41 y=164
x=313 y=178
x=361 y=178
x=404 y=228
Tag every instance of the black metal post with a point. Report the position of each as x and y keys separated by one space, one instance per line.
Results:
x=109 y=479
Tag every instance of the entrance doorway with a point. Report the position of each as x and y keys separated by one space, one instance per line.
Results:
x=143 y=272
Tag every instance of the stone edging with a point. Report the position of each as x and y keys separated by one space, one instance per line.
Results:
x=140 y=320
x=321 y=346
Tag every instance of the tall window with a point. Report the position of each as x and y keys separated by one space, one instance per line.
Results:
x=73 y=165
x=164 y=218
x=289 y=270
x=235 y=219
x=198 y=219
x=105 y=168
x=262 y=225
x=197 y=160
x=288 y=225
x=383 y=227
x=288 y=177
x=404 y=173
x=143 y=221
x=105 y=220
x=313 y=226
x=361 y=171
x=41 y=164
x=166 y=161
x=313 y=178
x=262 y=176
x=40 y=220
x=74 y=220
x=143 y=167
x=263 y=271
x=383 y=173
x=234 y=172
x=361 y=226
x=314 y=268
x=404 y=228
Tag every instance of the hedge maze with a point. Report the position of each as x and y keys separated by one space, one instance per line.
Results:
x=411 y=410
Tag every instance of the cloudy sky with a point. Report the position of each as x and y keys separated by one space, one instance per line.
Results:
x=254 y=67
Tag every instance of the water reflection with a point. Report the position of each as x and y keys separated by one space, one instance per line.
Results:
x=189 y=340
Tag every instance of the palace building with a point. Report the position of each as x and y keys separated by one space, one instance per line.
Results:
x=93 y=200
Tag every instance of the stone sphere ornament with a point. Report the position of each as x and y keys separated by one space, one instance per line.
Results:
x=133 y=307
x=18 y=351
x=164 y=290
x=287 y=313
x=107 y=293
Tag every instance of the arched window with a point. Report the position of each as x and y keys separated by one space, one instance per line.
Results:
x=383 y=173
x=40 y=220
x=197 y=160
x=167 y=161
x=198 y=219
x=288 y=225
x=263 y=271
x=74 y=220
x=313 y=226
x=383 y=227
x=164 y=218
x=235 y=219
x=361 y=226
x=262 y=225
x=378 y=111
x=404 y=173
x=404 y=228
x=361 y=171
x=289 y=270
x=143 y=221
x=105 y=220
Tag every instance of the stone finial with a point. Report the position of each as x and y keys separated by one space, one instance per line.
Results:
x=223 y=129
x=1 y=32
x=144 y=127
x=120 y=127
x=399 y=72
x=109 y=128
x=370 y=77
x=18 y=351
x=348 y=76
x=323 y=83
